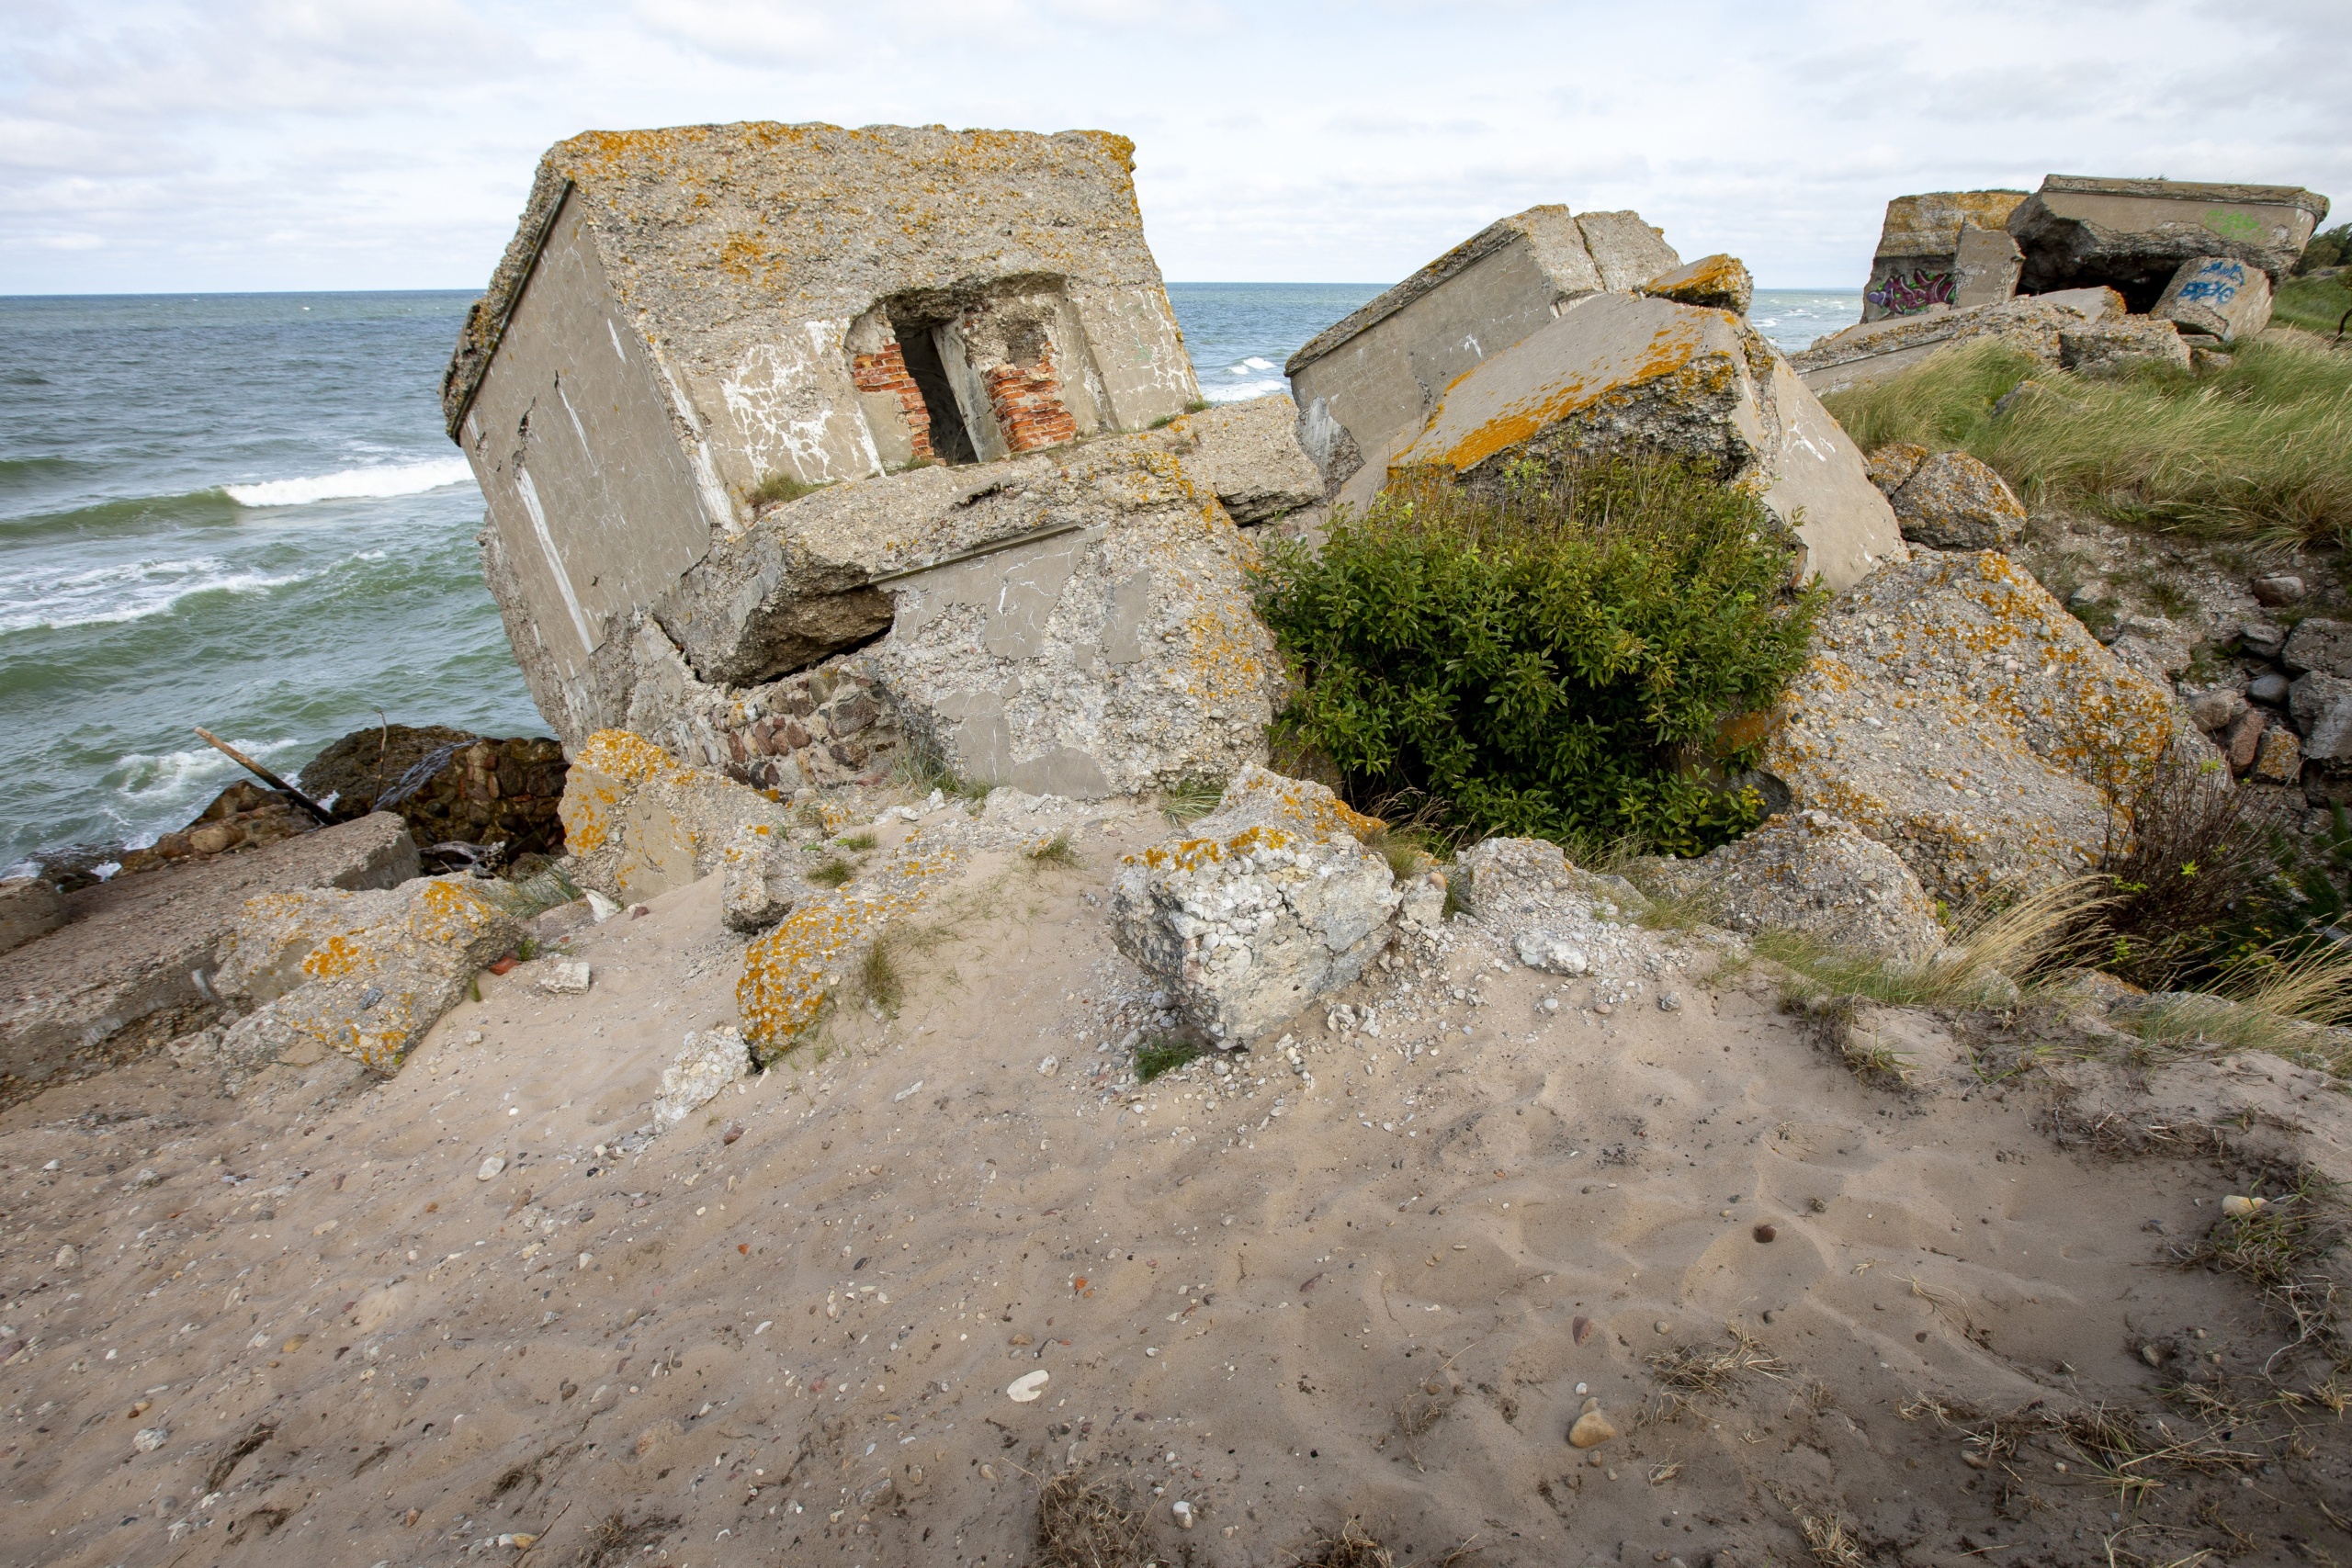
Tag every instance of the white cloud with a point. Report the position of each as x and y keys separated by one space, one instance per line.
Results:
x=383 y=143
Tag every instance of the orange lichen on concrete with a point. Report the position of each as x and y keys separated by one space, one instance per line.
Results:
x=612 y=762
x=335 y=958
x=790 y=974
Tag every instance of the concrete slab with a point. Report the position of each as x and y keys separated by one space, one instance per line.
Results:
x=2133 y=235
x=1917 y=263
x=2218 y=295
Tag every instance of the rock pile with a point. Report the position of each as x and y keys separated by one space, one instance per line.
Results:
x=1948 y=501
x=1822 y=878
x=448 y=785
x=243 y=816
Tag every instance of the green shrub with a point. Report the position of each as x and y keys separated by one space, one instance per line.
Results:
x=2329 y=247
x=2261 y=448
x=1554 y=661
x=1163 y=1055
x=2315 y=304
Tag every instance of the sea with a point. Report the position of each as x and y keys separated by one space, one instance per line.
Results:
x=241 y=511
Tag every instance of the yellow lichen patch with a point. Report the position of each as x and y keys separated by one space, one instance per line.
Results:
x=336 y=956
x=447 y=914
x=789 y=974
x=612 y=762
x=1190 y=854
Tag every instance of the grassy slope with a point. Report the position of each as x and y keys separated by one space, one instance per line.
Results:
x=2260 y=450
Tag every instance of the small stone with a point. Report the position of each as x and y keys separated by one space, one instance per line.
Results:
x=2269 y=688
x=1049 y=1066
x=734 y=1131
x=1591 y=1430
x=2280 y=758
x=490 y=1168
x=1662 y=1326
x=1183 y=1512
x=1764 y=1232
x=565 y=977
x=1028 y=1387
x=2279 y=588
x=1581 y=1329
x=1550 y=1004
x=2241 y=1208
x=1669 y=1001
x=68 y=1256
x=2152 y=1356
x=150 y=1439
x=2262 y=638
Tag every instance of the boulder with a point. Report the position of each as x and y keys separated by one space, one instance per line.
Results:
x=2134 y=234
x=243 y=816
x=1954 y=711
x=1875 y=351
x=135 y=965
x=2318 y=643
x=2321 y=706
x=1617 y=372
x=710 y=1060
x=2280 y=758
x=1919 y=261
x=763 y=881
x=640 y=822
x=2220 y=296
x=1719 y=281
x=1952 y=501
x=30 y=907
x=1364 y=384
x=366 y=973
x=2117 y=343
x=1259 y=909
x=1824 y=879
x=680 y=333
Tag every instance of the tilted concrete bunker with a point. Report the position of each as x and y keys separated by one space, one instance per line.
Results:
x=690 y=322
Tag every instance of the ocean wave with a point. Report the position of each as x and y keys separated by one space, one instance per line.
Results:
x=130 y=592
x=354 y=484
x=1240 y=391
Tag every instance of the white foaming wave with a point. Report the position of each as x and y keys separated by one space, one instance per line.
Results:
x=104 y=595
x=354 y=484
x=1241 y=391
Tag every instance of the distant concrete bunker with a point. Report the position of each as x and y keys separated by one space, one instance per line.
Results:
x=690 y=321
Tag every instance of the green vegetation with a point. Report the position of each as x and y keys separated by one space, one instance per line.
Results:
x=923 y=770
x=1164 y=1055
x=2261 y=448
x=2329 y=247
x=878 y=979
x=1189 y=799
x=833 y=874
x=2316 y=304
x=777 y=487
x=1555 y=660
x=1995 y=951
x=1056 y=850
x=857 y=841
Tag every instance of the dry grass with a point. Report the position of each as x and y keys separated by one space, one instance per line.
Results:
x=1081 y=1524
x=1689 y=1369
x=1353 y=1547
x=2281 y=1249
x=614 y=1541
x=2289 y=1003
x=1995 y=951
x=1826 y=1539
x=2117 y=1447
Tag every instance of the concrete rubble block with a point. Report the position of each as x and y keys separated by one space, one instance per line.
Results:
x=30 y=907
x=1719 y=281
x=1918 y=262
x=638 y=822
x=1954 y=711
x=1878 y=350
x=1623 y=373
x=1823 y=879
x=1248 y=455
x=763 y=882
x=2318 y=643
x=791 y=973
x=1259 y=909
x=1894 y=464
x=831 y=724
x=2117 y=343
x=2134 y=234
x=138 y=956
x=2320 y=708
x=689 y=321
x=366 y=973
x=2219 y=296
x=1953 y=501
x=1364 y=384
x=706 y=1067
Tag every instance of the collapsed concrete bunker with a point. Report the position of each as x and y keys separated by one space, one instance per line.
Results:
x=794 y=436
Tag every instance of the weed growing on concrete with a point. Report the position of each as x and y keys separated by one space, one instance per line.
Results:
x=779 y=488
x=857 y=841
x=2261 y=448
x=1057 y=850
x=923 y=770
x=878 y=979
x=833 y=874
x=1156 y=1057
x=1189 y=799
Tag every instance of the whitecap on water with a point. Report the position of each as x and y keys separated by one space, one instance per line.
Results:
x=128 y=592
x=391 y=478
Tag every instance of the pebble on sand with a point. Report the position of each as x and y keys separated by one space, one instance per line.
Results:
x=1591 y=1430
x=1027 y=1387
x=150 y=1439
x=490 y=1168
x=68 y=1256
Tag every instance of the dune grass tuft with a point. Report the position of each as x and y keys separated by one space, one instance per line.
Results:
x=1995 y=950
x=2260 y=450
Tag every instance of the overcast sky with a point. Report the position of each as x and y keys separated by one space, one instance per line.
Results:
x=149 y=145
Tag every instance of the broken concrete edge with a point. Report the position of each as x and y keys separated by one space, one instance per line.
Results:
x=486 y=318
x=2189 y=190
x=1492 y=238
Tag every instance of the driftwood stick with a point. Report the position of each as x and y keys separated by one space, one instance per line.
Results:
x=272 y=780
